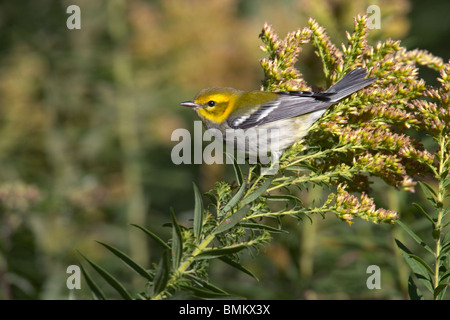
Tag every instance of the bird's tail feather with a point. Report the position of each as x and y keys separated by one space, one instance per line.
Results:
x=351 y=82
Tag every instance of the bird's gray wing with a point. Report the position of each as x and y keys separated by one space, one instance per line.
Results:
x=289 y=105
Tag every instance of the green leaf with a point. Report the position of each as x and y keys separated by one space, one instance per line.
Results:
x=440 y=288
x=422 y=262
x=162 y=273
x=130 y=262
x=413 y=291
x=422 y=211
x=419 y=270
x=198 y=213
x=445 y=276
x=238 y=266
x=429 y=192
x=427 y=189
x=255 y=194
x=447 y=236
x=443 y=175
x=153 y=236
x=446 y=211
x=113 y=282
x=204 y=289
x=258 y=226
x=237 y=169
x=96 y=291
x=177 y=242
x=414 y=236
x=216 y=253
x=235 y=199
x=205 y=284
x=446 y=182
x=232 y=220
x=205 y=293
x=444 y=249
x=282 y=197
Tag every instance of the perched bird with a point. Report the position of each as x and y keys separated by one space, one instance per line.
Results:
x=269 y=120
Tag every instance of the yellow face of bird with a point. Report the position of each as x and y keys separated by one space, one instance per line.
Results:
x=214 y=104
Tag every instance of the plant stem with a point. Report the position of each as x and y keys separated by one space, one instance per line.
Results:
x=320 y=154
x=185 y=265
x=440 y=213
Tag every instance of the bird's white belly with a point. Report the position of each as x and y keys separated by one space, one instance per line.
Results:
x=271 y=137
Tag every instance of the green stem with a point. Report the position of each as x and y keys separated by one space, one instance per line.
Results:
x=184 y=266
x=287 y=181
x=320 y=210
x=440 y=213
x=319 y=154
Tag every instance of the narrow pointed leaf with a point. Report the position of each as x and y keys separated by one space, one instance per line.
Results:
x=205 y=284
x=440 y=288
x=177 y=242
x=429 y=188
x=413 y=291
x=443 y=175
x=444 y=249
x=232 y=220
x=162 y=273
x=153 y=236
x=447 y=236
x=422 y=262
x=113 y=282
x=414 y=236
x=446 y=182
x=422 y=211
x=258 y=192
x=96 y=291
x=238 y=266
x=204 y=293
x=198 y=213
x=282 y=197
x=216 y=253
x=259 y=226
x=417 y=268
x=446 y=211
x=235 y=199
x=128 y=261
x=429 y=192
x=445 y=276
x=237 y=169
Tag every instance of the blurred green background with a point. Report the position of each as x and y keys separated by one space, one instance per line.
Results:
x=86 y=118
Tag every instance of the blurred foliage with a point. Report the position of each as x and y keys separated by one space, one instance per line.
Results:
x=85 y=126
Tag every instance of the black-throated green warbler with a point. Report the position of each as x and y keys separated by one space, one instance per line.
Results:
x=289 y=114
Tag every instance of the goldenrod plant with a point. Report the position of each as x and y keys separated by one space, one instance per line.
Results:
x=377 y=132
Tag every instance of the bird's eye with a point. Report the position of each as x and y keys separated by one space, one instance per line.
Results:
x=211 y=103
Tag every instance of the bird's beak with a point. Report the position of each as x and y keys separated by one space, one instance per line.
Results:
x=190 y=104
